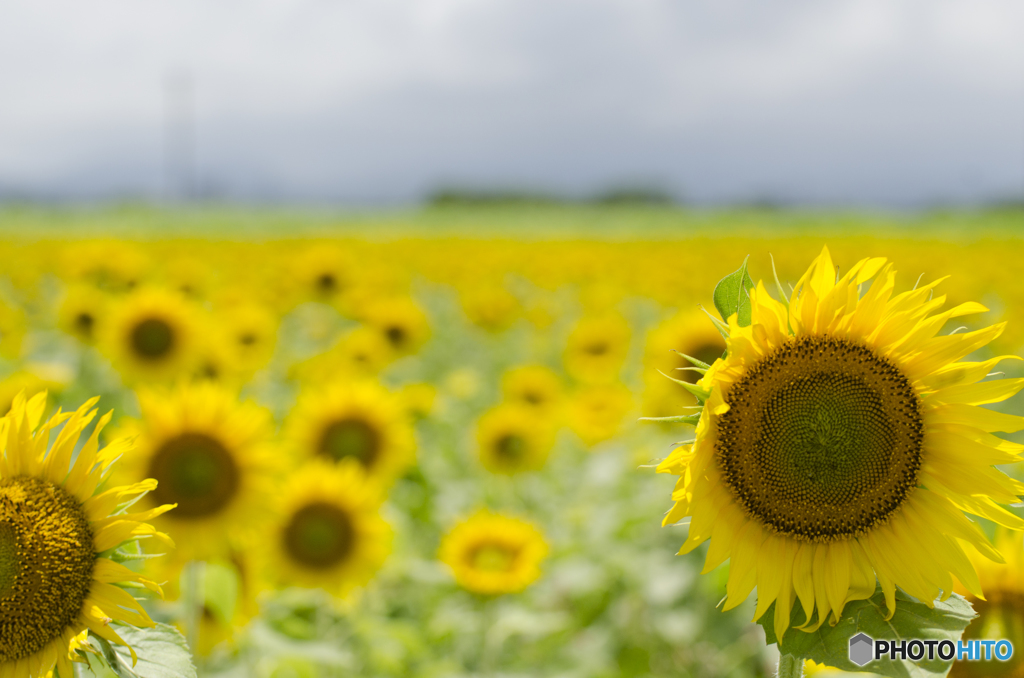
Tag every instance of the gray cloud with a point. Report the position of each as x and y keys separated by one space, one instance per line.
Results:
x=853 y=101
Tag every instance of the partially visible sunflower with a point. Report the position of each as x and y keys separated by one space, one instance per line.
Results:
x=491 y=554
x=418 y=399
x=251 y=331
x=400 y=321
x=212 y=456
x=57 y=535
x=685 y=334
x=1001 y=612
x=12 y=329
x=535 y=386
x=362 y=421
x=109 y=265
x=490 y=306
x=596 y=413
x=82 y=312
x=842 y=441
x=30 y=381
x=597 y=348
x=322 y=273
x=152 y=335
x=328 y=532
x=360 y=354
x=512 y=438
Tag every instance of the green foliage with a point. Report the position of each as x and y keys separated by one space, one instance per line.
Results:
x=161 y=650
x=913 y=620
x=732 y=295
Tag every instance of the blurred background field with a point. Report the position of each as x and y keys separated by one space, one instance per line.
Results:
x=425 y=366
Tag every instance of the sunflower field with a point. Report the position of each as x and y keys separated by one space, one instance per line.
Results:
x=439 y=444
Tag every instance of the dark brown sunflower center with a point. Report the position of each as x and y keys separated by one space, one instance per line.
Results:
x=319 y=536
x=353 y=438
x=152 y=339
x=195 y=472
x=510 y=448
x=492 y=558
x=533 y=397
x=326 y=283
x=396 y=335
x=597 y=348
x=822 y=440
x=46 y=562
x=84 y=323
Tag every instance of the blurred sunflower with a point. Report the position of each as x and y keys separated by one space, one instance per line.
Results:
x=512 y=438
x=1001 y=612
x=328 y=533
x=535 y=386
x=109 y=265
x=212 y=456
x=215 y=359
x=689 y=333
x=190 y=275
x=56 y=535
x=12 y=329
x=491 y=554
x=251 y=332
x=30 y=381
x=596 y=413
x=490 y=306
x=83 y=312
x=322 y=273
x=839 y=432
x=596 y=348
x=356 y=420
x=418 y=399
x=361 y=353
x=152 y=334
x=400 y=321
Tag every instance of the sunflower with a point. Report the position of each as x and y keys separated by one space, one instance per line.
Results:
x=110 y=265
x=30 y=382
x=57 y=537
x=212 y=456
x=215 y=361
x=251 y=332
x=418 y=399
x=1001 y=612
x=535 y=386
x=597 y=347
x=400 y=321
x=687 y=333
x=490 y=306
x=491 y=554
x=512 y=438
x=152 y=334
x=358 y=420
x=82 y=312
x=328 y=532
x=322 y=273
x=841 y=441
x=360 y=354
x=596 y=413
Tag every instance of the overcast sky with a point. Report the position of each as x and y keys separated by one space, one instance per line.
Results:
x=862 y=102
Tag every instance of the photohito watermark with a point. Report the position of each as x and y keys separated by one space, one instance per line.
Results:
x=864 y=649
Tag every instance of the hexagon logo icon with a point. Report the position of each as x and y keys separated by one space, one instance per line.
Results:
x=861 y=649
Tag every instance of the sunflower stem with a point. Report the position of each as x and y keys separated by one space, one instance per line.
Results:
x=193 y=599
x=790 y=667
